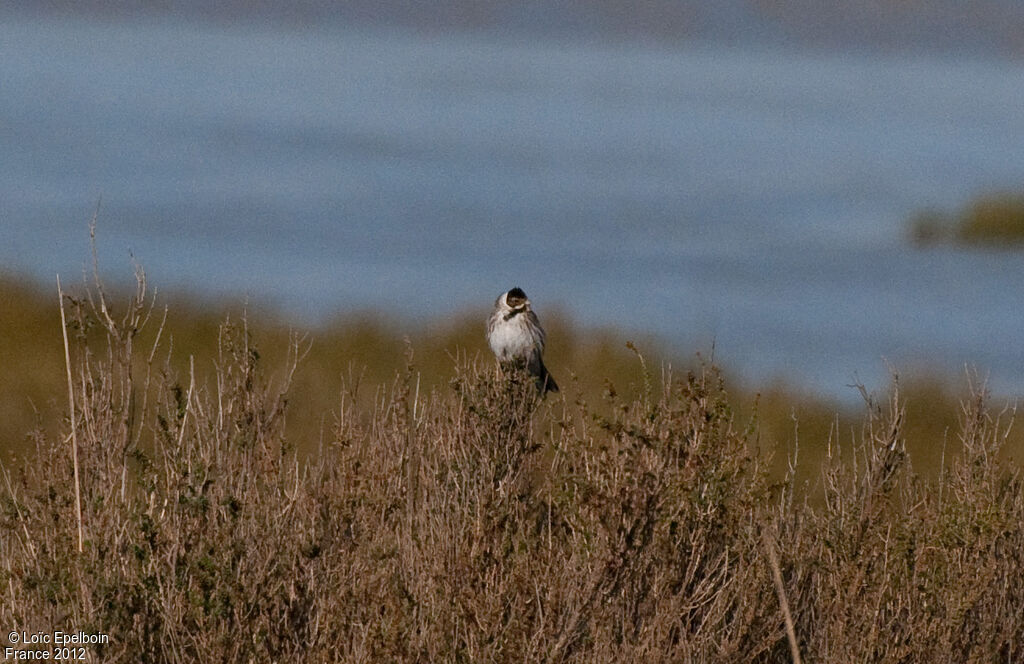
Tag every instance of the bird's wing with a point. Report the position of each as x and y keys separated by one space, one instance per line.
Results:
x=536 y=330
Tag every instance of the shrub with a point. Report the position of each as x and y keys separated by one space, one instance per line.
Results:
x=474 y=522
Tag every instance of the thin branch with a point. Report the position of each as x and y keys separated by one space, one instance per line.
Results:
x=17 y=507
x=188 y=398
x=773 y=561
x=71 y=410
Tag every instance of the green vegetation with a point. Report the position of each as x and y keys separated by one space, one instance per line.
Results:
x=995 y=220
x=246 y=493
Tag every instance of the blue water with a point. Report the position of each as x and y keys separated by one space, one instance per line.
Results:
x=754 y=200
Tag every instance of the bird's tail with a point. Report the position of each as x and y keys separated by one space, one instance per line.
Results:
x=545 y=383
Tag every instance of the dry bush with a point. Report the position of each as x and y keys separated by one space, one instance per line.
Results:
x=892 y=568
x=475 y=522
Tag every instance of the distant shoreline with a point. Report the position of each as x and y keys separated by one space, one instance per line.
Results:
x=992 y=28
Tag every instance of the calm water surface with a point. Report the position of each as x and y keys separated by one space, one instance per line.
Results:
x=755 y=200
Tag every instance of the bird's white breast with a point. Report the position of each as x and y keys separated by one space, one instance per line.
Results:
x=512 y=339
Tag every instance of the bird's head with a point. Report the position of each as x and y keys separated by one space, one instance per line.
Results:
x=516 y=299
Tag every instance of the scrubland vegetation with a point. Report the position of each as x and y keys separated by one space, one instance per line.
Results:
x=993 y=220
x=235 y=492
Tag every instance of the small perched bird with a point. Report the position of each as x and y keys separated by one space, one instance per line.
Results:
x=517 y=339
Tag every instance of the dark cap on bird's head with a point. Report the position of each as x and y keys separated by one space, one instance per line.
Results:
x=515 y=297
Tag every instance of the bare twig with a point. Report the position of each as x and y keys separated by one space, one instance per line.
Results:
x=188 y=398
x=21 y=517
x=71 y=410
x=773 y=561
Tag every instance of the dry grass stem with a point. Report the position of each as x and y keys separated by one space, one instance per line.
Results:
x=780 y=589
x=71 y=414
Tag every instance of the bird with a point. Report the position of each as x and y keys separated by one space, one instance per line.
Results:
x=517 y=339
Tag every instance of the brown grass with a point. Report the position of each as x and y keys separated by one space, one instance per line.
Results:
x=467 y=521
